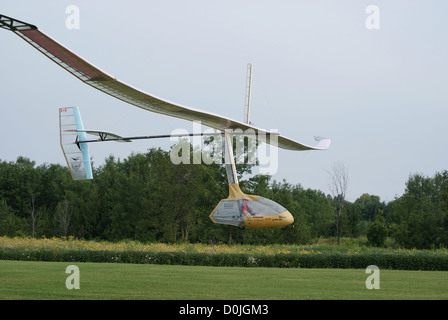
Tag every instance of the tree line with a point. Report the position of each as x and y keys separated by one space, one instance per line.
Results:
x=146 y=197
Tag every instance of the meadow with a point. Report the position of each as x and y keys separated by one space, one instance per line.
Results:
x=30 y=280
x=43 y=275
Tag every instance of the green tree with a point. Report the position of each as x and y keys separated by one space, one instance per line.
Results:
x=418 y=216
x=369 y=205
x=352 y=221
x=377 y=231
x=10 y=225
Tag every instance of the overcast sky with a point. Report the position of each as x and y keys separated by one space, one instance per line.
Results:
x=379 y=94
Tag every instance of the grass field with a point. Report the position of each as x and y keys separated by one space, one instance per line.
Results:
x=46 y=280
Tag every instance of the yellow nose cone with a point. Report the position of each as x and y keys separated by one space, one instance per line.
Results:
x=289 y=219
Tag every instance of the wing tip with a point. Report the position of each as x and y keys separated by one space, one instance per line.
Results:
x=322 y=143
x=12 y=24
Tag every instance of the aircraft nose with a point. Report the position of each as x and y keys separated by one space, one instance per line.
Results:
x=289 y=219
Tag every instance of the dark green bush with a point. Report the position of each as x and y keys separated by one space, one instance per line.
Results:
x=398 y=261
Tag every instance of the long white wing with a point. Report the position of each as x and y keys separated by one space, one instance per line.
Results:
x=104 y=82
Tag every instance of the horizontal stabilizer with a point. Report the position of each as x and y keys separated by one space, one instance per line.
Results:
x=103 y=135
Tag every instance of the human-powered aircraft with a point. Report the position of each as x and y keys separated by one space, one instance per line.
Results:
x=239 y=209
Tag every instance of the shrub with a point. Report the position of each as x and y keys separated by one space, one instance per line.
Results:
x=321 y=256
x=384 y=260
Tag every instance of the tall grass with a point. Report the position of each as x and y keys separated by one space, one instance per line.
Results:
x=310 y=256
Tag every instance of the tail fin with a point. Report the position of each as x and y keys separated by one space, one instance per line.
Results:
x=76 y=154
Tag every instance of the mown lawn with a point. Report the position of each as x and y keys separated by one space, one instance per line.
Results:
x=27 y=280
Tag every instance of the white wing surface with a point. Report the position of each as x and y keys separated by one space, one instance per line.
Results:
x=106 y=83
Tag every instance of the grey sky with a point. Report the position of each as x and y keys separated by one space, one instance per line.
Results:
x=378 y=94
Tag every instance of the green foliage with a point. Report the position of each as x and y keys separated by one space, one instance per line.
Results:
x=369 y=206
x=377 y=232
x=348 y=260
x=146 y=197
x=419 y=217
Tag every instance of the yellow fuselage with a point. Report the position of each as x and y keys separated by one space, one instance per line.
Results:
x=265 y=222
x=265 y=213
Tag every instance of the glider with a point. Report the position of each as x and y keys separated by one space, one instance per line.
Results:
x=234 y=210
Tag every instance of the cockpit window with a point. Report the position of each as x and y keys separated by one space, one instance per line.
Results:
x=265 y=207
